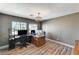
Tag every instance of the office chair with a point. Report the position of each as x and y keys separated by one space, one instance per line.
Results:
x=22 y=40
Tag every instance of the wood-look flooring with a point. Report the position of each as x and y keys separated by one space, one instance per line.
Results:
x=50 y=48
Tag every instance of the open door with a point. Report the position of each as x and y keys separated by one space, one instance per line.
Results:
x=76 y=50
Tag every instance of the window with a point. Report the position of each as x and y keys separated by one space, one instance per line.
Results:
x=18 y=26
x=32 y=27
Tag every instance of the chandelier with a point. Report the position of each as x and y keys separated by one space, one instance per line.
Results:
x=38 y=18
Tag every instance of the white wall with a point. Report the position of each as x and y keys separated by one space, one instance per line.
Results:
x=64 y=29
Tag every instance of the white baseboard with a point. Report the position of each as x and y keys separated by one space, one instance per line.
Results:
x=61 y=43
x=5 y=46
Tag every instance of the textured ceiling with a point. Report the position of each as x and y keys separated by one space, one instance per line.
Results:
x=47 y=10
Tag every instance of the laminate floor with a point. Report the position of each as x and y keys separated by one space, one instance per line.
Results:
x=49 y=48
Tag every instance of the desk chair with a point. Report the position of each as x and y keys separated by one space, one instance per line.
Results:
x=22 y=40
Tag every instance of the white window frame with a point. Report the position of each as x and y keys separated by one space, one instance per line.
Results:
x=18 y=26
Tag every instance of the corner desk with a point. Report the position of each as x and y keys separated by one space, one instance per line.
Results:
x=38 y=40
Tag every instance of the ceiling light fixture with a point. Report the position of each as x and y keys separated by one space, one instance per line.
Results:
x=38 y=18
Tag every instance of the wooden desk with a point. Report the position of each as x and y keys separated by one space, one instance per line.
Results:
x=38 y=40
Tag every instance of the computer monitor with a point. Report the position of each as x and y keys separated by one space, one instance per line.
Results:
x=33 y=32
x=22 y=32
